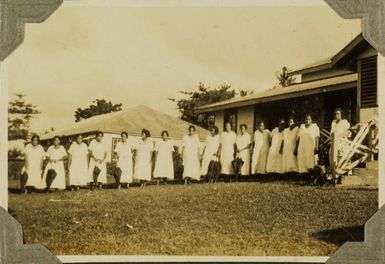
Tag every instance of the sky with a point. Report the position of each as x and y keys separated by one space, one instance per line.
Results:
x=143 y=55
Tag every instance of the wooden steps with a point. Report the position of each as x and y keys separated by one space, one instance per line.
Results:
x=367 y=176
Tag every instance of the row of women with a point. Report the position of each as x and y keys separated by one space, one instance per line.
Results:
x=83 y=159
x=284 y=149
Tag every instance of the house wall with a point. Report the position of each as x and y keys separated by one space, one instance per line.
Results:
x=246 y=116
x=307 y=77
x=368 y=113
x=220 y=119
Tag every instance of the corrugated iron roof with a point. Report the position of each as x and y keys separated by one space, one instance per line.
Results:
x=282 y=93
x=132 y=120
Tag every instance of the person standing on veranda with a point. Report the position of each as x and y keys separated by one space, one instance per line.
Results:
x=123 y=154
x=243 y=145
x=78 y=163
x=262 y=139
x=143 y=158
x=190 y=154
x=308 y=139
x=98 y=156
x=227 y=149
x=210 y=150
x=339 y=129
x=274 y=159
x=56 y=155
x=289 y=159
x=164 y=165
x=34 y=155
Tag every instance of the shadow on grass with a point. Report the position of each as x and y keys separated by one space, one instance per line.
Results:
x=341 y=235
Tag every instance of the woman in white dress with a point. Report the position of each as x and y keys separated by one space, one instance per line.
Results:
x=143 y=158
x=98 y=155
x=78 y=163
x=164 y=165
x=290 y=163
x=262 y=138
x=210 y=150
x=308 y=136
x=340 y=129
x=34 y=156
x=56 y=154
x=274 y=159
x=243 y=144
x=190 y=154
x=227 y=150
x=123 y=153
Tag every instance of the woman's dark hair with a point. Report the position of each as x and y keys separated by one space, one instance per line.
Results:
x=99 y=133
x=338 y=110
x=164 y=132
x=216 y=129
x=308 y=115
x=260 y=122
x=124 y=133
x=191 y=127
x=35 y=136
x=146 y=132
x=243 y=125
x=56 y=137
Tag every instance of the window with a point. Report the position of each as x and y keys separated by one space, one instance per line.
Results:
x=115 y=141
x=231 y=117
x=368 y=81
x=211 y=120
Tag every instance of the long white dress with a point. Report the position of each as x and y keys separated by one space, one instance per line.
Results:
x=125 y=163
x=34 y=156
x=274 y=159
x=306 y=158
x=191 y=166
x=143 y=159
x=339 y=129
x=164 y=165
x=211 y=148
x=78 y=171
x=260 y=151
x=242 y=141
x=290 y=163
x=56 y=153
x=98 y=149
x=227 y=141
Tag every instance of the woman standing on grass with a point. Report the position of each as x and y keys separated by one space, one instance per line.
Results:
x=34 y=156
x=123 y=153
x=190 y=154
x=227 y=150
x=289 y=159
x=78 y=163
x=56 y=155
x=143 y=158
x=164 y=166
x=274 y=159
x=210 y=150
x=98 y=154
x=243 y=143
x=340 y=129
x=308 y=137
x=262 y=138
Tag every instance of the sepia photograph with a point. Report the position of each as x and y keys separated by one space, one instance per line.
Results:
x=193 y=130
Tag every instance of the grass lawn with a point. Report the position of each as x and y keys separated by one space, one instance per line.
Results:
x=249 y=218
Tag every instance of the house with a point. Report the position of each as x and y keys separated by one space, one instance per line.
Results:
x=346 y=80
x=132 y=120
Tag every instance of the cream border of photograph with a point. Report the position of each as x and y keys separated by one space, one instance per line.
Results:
x=83 y=259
